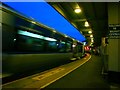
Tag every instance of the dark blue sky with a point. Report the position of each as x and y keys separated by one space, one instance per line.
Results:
x=45 y=14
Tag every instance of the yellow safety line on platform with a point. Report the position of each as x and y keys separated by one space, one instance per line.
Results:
x=37 y=78
x=27 y=77
x=64 y=74
x=40 y=77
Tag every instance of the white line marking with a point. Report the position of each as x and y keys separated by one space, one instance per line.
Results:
x=29 y=76
x=64 y=74
x=43 y=72
x=40 y=77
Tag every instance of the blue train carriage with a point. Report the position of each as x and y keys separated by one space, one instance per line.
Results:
x=24 y=35
x=28 y=45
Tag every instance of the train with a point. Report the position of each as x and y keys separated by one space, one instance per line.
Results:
x=29 y=47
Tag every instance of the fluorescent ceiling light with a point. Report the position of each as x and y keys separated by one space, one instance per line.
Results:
x=92 y=40
x=26 y=33
x=86 y=24
x=91 y=35
x=77 y=10
x=89 y=31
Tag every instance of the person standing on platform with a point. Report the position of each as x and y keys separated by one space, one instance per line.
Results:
x=103 y=54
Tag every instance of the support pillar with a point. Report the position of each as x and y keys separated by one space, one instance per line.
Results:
x=114 y=41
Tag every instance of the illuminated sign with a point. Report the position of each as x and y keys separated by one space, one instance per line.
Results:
x=114 y=31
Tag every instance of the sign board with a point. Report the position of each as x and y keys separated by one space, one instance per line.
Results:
x=114 y=31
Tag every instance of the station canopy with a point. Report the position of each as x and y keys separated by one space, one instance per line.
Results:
x=43 y=13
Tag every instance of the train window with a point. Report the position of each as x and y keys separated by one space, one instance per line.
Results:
x=38 y=45
x=31 y=42
x=80 y=48
x=61 y=46
x=52 y=46
x=26 y=33
x=68 y=47
x=8 y=36
x=28 y=42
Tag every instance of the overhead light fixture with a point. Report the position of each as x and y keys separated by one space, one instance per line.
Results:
x=86 y=24
x=77 y=10
x=92 y=40
x=89 y=31
x=91 y=35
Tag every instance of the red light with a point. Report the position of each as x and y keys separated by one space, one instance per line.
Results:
x=87 y=48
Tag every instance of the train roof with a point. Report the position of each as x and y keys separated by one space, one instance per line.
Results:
x=48 y=17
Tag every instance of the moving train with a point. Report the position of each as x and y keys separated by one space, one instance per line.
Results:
x=29 y=47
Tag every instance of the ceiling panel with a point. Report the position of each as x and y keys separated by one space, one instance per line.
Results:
x=94 y=12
